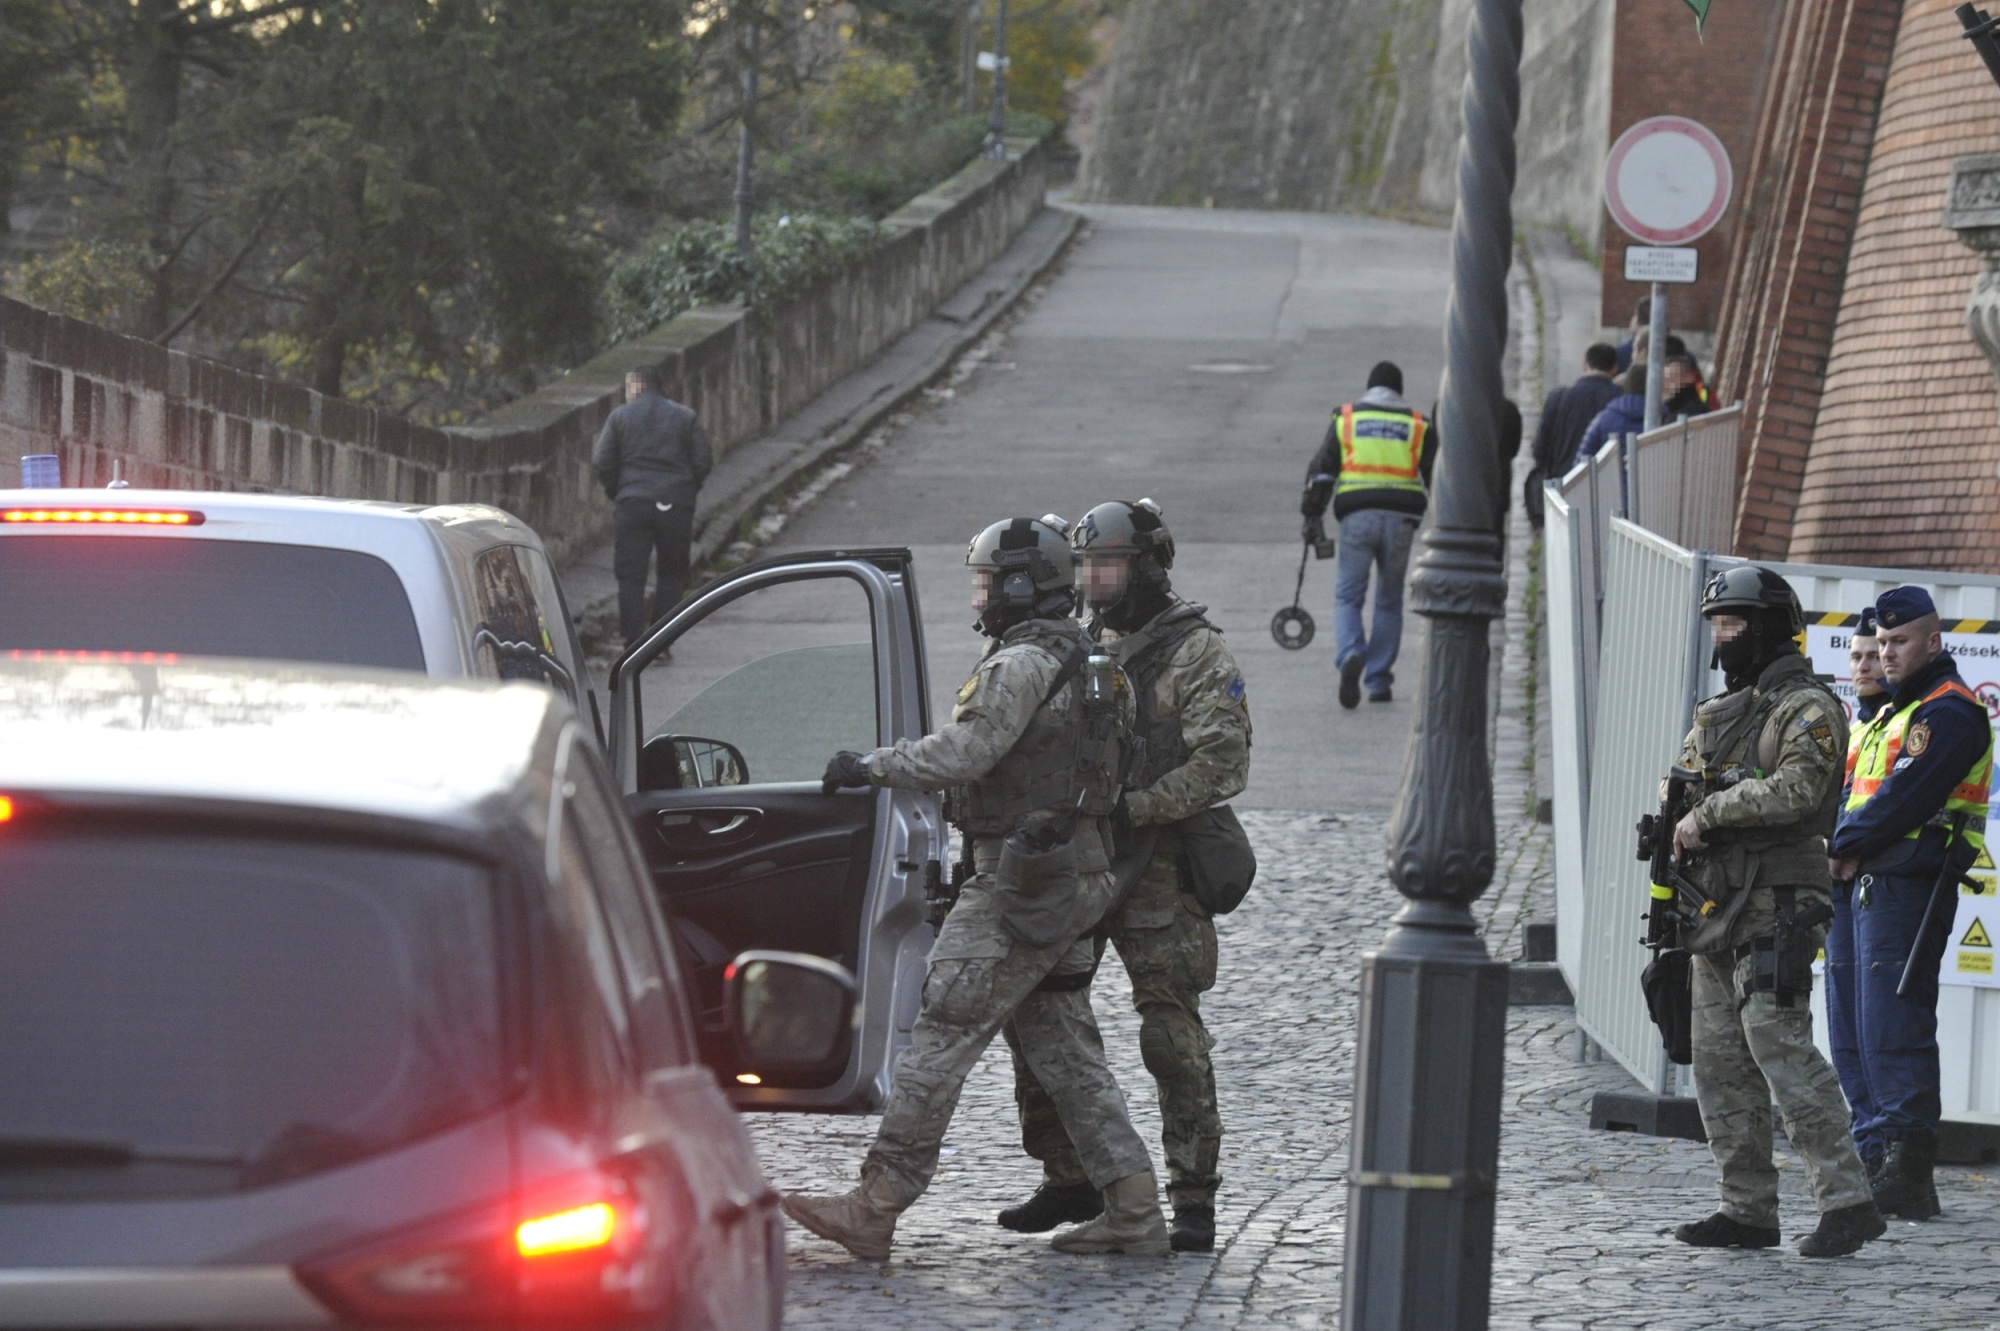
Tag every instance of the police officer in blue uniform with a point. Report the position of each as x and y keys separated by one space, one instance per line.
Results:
x=1924 y=758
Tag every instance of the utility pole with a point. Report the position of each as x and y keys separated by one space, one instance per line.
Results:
x=968 y=56
x=746 y=195
x=996 y=125
x=1433 y=1026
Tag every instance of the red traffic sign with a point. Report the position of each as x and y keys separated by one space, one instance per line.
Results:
x=1667 y=180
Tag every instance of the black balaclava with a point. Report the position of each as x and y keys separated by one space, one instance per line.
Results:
x=1768 y=637
x=1147 y=593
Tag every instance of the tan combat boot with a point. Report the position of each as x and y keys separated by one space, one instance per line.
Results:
x=1131 y=1223
x=862 y=1221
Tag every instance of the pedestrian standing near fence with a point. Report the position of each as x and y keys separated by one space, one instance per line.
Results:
x=1623 y=414
x=1375 y=465
x=1566 y=413
x=651 y=458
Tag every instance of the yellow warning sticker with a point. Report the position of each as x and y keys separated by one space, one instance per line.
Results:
x=1975 y=963
x=1975 y=937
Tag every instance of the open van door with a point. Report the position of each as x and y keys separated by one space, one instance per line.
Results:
x=722 y=720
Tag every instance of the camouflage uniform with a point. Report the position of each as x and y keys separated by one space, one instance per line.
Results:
x=1766 y=833
x=1197 y=756
x=981 y=974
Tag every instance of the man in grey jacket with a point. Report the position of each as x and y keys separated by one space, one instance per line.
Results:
x=651 y=458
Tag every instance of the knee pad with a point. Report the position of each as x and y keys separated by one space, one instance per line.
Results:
x=1165 y=1047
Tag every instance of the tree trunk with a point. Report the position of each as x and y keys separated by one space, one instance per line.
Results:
x=152 y=112
x=329 y=365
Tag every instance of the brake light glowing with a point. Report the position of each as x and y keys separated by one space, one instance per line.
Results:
x=567 y=1231
x=106 y=517
x=749 y=1079
x=6 y=809
x=95 y=658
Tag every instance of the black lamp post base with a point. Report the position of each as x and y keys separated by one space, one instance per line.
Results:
x=1426 y=1126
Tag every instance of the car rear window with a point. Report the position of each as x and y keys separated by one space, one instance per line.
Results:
x=185 y=1014
x=198 y=597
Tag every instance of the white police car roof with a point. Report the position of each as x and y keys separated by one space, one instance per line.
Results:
x=363 y=741
x=288 y=519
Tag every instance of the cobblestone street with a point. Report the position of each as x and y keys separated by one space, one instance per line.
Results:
x=1584 y=1218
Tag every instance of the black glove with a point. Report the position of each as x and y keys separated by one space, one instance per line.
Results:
x=1315 y=530
x=846 y=769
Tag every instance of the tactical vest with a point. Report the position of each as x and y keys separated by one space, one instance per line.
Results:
x=1734 y=732
x=1882 y=742
x=1380 y=450
x=1064 y=753
x=1157 y=744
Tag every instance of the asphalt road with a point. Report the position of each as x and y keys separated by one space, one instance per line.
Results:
x=1193 y=357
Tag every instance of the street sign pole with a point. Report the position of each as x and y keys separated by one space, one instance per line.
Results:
x=1656 y=355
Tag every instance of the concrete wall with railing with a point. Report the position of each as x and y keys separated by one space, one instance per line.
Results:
x=177 y=421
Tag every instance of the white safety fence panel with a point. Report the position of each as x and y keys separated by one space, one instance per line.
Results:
x=1684 y=477
x=1569 y=735
x=1651 y=596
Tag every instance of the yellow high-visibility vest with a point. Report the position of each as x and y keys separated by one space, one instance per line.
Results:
x=1881 y=742
x=1380 y=450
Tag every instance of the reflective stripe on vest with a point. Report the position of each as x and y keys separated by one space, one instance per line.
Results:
x=1874 y=756
x=1380 y=450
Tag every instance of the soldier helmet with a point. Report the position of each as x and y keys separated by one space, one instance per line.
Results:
x=1751 y=591
x=1031 y=567
x=1125 y=528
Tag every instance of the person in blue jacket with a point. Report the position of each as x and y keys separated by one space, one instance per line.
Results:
x=1925 y=757
x=1624 y=414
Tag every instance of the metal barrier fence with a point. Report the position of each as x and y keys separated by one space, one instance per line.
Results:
x=1683 y=480
x=1628 y=655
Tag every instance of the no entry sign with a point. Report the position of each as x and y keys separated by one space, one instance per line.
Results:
x=1667 y=180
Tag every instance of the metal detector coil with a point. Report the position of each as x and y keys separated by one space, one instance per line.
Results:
x=1292 y=626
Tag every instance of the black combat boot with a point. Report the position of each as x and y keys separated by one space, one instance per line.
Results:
x=1719 y=1231
x=1903 y=1187
x=1844 y=1231
x=1194 y=1229
x=1053 y=1205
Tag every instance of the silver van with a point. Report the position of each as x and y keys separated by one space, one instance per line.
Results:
x=451 y=590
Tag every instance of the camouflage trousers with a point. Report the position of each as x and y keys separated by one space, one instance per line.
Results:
x=1744 y=1058
x=1168 y=946
x=980 y=978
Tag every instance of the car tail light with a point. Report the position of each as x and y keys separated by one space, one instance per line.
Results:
x=6 y=808
x=585 y=1254
x=104 y=517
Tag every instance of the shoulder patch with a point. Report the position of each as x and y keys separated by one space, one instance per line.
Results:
x=1917 y=740
x=1235 y=689
x=967 y=689
x=1822 y=735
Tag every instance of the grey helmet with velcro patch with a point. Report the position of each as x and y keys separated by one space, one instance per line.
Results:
x=1032 y=568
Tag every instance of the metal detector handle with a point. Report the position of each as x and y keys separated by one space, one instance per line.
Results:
x=1947 y=882
x=1299 y=587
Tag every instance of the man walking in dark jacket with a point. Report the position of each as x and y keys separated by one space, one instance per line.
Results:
x=1566 y=414
x=1625 y=413
x=651 y=458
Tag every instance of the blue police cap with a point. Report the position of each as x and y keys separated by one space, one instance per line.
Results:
x=1900 y=605
x=1866 y=628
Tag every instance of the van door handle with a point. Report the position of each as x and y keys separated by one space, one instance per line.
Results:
x=732 y=825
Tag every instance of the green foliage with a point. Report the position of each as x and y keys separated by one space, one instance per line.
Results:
x=698 y=264
x=1049 y=46
x=101 y=282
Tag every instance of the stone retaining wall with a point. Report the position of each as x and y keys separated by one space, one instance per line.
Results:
x=178 y=421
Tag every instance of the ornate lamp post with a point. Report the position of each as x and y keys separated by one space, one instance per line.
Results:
x=1426 y=1131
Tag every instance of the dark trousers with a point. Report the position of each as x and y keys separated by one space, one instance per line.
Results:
x=646 y=532
x=1884 y=1047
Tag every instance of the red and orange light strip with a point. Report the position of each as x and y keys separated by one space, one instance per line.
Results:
x=110 y=517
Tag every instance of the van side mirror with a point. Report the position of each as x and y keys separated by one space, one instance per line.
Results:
x=689 y=762
x=792 y=1016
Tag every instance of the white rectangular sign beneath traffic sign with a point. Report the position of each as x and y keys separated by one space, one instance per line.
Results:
x=1659 y=263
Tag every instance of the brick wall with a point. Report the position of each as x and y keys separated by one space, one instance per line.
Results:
x=1902 y=465
x=181 y=422
x=1659 y=68
x=1801 y=195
